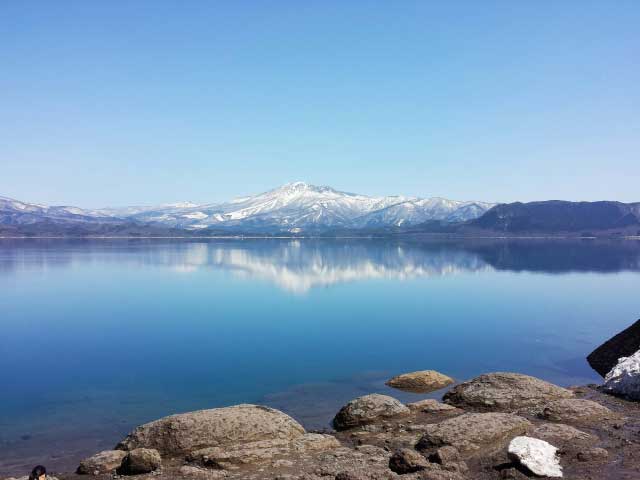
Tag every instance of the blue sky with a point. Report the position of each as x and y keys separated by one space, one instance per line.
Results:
x=114 y=103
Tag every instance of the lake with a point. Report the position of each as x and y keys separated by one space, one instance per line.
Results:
x=99 y=336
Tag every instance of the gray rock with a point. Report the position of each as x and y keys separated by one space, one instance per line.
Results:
x=474 y=433
x=366 y=409
x=575 y=410
x=106 y=461
x=538 y=456
x=504 y=392
x=624 y=378
x=141 y=460
x=194 y=473
x=593 y=455
x=445 y=455
x=561 y=434
x=406 y=460
x=233 y=456
x=186 y=432
x=423 y=381
x=624 y=344
x=431 y=405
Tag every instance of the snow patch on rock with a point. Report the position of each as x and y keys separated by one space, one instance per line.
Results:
x=538 y=456
x=624 y=378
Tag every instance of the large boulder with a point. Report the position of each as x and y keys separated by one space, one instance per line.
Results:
x=103 y=462
x=366 y=409
x=233 y=456
x=504 y=392
x=538 y=456
x=576 y=410
x=624 y=378
x=424 y=381
x=141 y=460
x=624 y=344
x=186 y=432
x=473 y=433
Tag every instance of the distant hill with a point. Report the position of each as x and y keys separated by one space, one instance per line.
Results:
x=556 y=216
x=552 y=217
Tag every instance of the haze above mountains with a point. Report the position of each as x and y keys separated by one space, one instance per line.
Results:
x=302 y=209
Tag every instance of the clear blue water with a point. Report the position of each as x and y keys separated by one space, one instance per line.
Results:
x=99 y=336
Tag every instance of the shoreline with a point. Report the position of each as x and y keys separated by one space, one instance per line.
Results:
x=589 y=438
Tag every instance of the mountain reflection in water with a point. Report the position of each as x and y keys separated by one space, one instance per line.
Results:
x=300 y=265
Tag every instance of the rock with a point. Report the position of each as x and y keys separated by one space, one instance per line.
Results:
x=436 y=473
x=593 y=455
x=311 y=442
x=350 y=476
x=536 y=455
x=195 y=473
x=624 y=344
x=506 y=392
x=575 y=410
x=183 y=433
x=366 y=409
x=560 y=433
x=624 y=378
x=141 y=460
x=473 y=433
x=407 y=461
x=445 y=455
x=232 y=456
x=513 y=474
x=102 y=462
x=424 y=381
x=430 y=405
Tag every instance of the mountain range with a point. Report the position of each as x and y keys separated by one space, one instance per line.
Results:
x=302 y=209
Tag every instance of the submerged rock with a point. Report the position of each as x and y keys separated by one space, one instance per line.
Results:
x=473 y=433
x=536 y=455
x=186 y=432
x=363 y=410
x=624 y=344
x=106 y=461
x=506 y=392
x=624 y=378
x=576 y=410
x=424 y=381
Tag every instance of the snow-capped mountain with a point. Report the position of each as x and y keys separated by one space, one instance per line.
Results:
x=298 y=207
x=295 y=208
x=416 y=211
x=20 y=213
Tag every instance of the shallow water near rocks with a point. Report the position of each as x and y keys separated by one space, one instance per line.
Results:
x=99 y=336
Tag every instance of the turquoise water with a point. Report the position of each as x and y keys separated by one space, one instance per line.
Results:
x=99 y=336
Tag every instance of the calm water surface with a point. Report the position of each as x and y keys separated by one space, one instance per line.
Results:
x=99 y=336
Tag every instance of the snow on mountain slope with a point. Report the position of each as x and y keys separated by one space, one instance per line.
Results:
x=301 y=206
x=17 y=212
x=294 y=207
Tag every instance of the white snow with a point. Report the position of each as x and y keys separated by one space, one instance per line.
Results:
x=294 y=205
x=624 y=378
x=538 y=456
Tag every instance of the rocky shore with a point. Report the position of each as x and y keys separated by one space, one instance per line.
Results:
x=498 y=425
